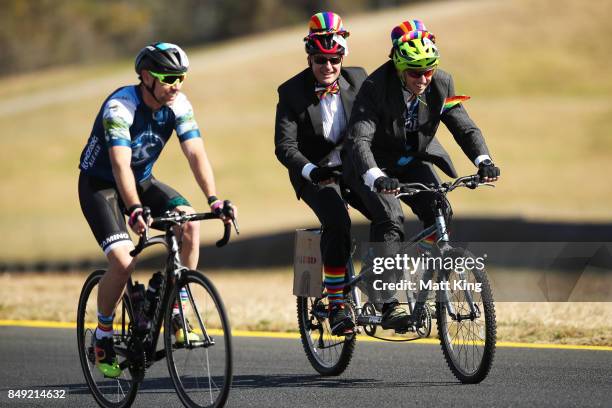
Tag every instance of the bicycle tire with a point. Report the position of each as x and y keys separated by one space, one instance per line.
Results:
x=324 y=356
x=108 y=392
x=203 y=301
x=480 y=331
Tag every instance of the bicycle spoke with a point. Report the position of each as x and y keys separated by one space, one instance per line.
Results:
x=468 y=338
x=200 y=370
x=118 y=392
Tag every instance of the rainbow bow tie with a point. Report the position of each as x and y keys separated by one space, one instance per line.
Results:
x=323 y=91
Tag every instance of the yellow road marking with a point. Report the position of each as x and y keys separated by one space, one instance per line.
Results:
x=293 y=335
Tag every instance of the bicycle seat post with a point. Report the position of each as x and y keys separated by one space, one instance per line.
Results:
x=441 y=223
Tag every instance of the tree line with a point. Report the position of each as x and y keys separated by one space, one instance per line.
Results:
x=37 y=34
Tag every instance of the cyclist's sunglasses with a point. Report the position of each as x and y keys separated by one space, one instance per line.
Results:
x=168 y=79
x=321 y=60
x=417 y=74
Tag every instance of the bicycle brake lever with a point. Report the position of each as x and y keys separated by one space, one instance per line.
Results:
x=235 y=224
x=228 y=211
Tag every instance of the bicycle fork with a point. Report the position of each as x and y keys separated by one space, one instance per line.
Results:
x=184 y=327
x=443 y=244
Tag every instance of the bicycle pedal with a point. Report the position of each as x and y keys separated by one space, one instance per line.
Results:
x=404 y=330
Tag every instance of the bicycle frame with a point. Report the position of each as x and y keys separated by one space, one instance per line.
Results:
x=172 y=271
x=467 y=336
x=441 y=247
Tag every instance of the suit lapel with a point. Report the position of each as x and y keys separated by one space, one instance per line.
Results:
x=424 y=113
x=314 y=111
x=347 y=95
x=425 y=106
x=398 y=108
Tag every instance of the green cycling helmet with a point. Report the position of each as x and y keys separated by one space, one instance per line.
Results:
x=413 y=46
x=415 y=53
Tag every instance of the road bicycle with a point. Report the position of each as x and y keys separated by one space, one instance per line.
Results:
x=464 y=311
x=201 y=370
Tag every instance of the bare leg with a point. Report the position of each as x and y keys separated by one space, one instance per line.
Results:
x=110 y=289
x=190 y=247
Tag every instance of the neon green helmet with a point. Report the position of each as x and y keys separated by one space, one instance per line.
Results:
x=413 y=47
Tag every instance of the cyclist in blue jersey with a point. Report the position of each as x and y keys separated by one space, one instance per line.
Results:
x=132 y=127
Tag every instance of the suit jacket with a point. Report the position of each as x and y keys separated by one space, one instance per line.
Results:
x=298 y=137
x=377 y=134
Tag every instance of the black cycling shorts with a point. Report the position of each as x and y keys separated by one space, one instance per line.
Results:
x=105 y=212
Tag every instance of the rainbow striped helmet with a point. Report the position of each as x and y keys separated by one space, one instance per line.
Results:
x=413 y=47
x=326 y=34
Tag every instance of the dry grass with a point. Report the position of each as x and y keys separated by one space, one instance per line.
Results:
x=555 y=322
x=541 y=94
x=262 y=300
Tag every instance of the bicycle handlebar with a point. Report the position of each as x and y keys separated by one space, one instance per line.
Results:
x=174 y=219
x=471 y=182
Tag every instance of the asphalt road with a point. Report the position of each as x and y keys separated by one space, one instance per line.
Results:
x=275 y=373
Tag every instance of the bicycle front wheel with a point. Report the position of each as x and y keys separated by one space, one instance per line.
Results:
x=328 y=354
x=198 y=348
x=466 y=319
x=109 y=392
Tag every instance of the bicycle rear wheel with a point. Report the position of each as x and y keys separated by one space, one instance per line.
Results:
x=108 y=392
x=328 y=354
x=201 y=370
x=467 y=336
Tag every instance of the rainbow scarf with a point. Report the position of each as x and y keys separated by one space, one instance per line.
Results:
x=453 y=101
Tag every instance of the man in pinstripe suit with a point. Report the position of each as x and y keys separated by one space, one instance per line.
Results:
x=391 y=136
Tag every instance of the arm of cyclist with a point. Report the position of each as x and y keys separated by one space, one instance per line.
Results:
x=194 y=151
x=469 y=137
x=286 y=145
x=362 y=130
x=120 y=158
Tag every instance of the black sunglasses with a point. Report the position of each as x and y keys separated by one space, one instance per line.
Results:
x=321 y=60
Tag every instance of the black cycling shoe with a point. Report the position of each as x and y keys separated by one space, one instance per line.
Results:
x=340 y=321
x=395 y=317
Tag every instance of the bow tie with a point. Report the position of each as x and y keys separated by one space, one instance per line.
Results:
x=323 y=91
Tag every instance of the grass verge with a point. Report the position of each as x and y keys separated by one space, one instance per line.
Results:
x=262 y=300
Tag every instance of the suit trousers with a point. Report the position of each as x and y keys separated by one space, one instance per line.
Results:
x=386 y=212
x=329 y=205
x=388 y=221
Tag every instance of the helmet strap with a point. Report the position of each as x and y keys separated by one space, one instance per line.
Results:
x=401 y=78
x=151 y=90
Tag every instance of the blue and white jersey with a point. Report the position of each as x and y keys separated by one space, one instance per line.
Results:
x=125 y=120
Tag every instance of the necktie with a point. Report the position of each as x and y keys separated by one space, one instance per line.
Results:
x=323 y=91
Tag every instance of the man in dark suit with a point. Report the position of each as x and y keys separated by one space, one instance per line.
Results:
x=311 y=118
x=392 y=131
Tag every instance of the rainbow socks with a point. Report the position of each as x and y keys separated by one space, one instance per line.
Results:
x=105 y=326
x=184 y=302
x=334 y=285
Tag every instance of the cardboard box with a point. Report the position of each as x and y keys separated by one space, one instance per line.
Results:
x=307 y=263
